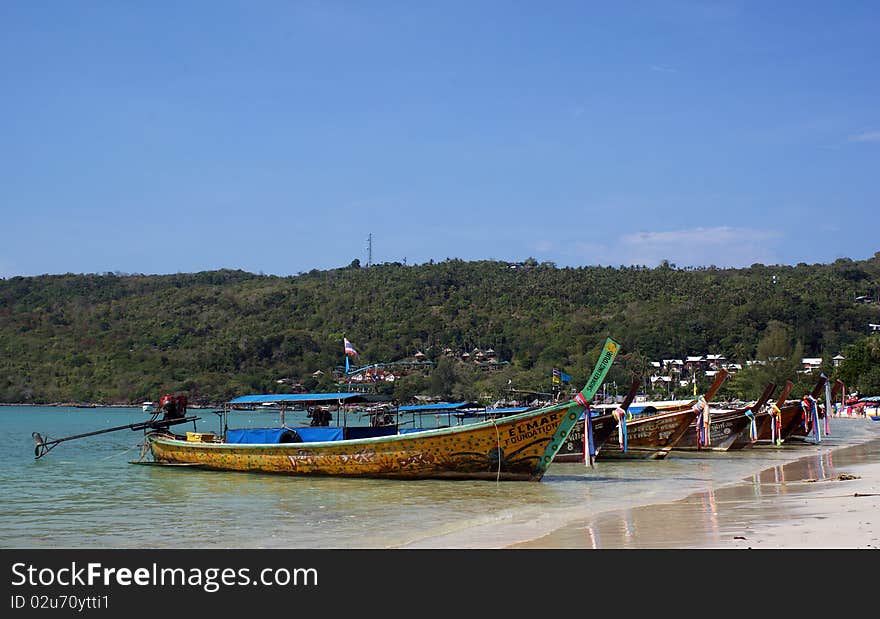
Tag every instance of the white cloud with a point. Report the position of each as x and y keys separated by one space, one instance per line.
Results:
x=867 y=136
x=721 y=246
x=662 y=68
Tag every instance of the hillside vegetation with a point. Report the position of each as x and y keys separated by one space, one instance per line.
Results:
x=125 y=338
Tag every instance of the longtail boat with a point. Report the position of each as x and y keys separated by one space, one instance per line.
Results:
x=654 y=436
x=760 y=417
x=809 y=421
x=812 y=424
x=800 y=423
x=769 y=420
x=602 y=427
x=518 y=447
x=786 y=415
x=726 y=427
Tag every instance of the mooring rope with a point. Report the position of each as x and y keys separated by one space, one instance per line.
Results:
x=113 y=455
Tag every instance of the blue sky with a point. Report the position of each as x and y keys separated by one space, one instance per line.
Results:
x=169 y=137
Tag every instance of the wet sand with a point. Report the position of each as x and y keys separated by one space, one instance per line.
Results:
x=827 y=500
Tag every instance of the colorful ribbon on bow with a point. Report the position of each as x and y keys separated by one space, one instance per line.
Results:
x=814 y=406
x=589 y=447
x=701 y=409
x=775 y=425
x=806 y=417
x=620 y=415
x=753 y=427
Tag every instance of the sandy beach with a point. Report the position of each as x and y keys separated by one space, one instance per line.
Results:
x=830 y=499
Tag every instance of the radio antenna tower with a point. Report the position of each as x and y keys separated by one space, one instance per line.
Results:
x=370 y=249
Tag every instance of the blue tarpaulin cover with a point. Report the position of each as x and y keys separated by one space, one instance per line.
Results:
x=258 y=436
x=319 y=434
x=369 y=432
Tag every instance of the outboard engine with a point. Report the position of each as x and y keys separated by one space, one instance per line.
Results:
x=173 y=406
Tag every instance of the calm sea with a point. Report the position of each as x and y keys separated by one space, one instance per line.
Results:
x=86 y=494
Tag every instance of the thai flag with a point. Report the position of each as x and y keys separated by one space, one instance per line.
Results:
x=349 y=349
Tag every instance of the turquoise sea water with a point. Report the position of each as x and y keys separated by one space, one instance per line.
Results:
x=85 y=494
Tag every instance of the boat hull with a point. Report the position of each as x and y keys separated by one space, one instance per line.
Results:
x=650 y=437
x=762 y=424
x=572 y=450
x=790 y=416
x=798 y=431
x=519 y=448
x=724 y=431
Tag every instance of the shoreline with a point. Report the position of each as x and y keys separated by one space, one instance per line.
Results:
x=616 y=504
x=828 y=500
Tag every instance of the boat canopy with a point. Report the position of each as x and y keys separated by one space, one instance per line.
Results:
x=432 y=408
x=507 y=411
x=298 y=398
x=319 y=434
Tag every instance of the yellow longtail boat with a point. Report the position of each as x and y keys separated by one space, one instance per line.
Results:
x=520 y=447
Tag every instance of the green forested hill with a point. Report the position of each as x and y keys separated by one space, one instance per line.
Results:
x=125 y=338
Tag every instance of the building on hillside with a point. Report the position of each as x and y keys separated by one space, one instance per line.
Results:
x=715 y=361
x=695 y=363
x=811 y=364
x=294 y=386
x=673 y=366
x=837 y=360
x=492 y=365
